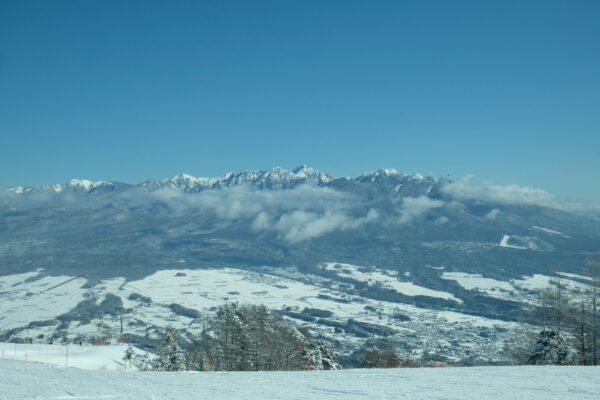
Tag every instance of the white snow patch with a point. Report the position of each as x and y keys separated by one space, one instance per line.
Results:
x=476 y=281
x=576 y=276
x=38 y=300
x=19 y=189
x=387 y=279
x=524 y=290
x=549 y=231
x=504 y=243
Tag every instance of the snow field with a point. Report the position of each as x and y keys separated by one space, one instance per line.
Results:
x=23 y=301
x=22 y=380
x=387 y=279
x=516 y=289
x=109 y=357
x=205 y=290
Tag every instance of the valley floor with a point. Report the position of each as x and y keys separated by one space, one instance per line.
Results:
x=30 y=380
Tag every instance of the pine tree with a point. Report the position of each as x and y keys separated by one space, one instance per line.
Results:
x=249 y=337
x=195 y=358
x=386 y=358
x=327 y=355
x=552 y=349
x=233 y=348
x=170 y=357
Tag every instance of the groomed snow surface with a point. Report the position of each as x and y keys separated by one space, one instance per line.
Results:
x=86 y=356
x=29 y=380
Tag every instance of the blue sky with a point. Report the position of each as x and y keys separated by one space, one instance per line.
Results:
x=126 y=90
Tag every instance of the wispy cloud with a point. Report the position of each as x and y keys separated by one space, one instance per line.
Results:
x=464 y=189
x=295 y=215
x=297 y=226
x=413 y=207
x=492 y=214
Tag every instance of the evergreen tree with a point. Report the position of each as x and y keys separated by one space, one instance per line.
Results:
x=195 y=359
x=233 y=343
x=376 y=358
x=170 y=357
x=327 y=355
x=551 y=349
x=249 y=337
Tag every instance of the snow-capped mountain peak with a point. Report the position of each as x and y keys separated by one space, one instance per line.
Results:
x=304 y=171
x=380 y=174
x=80 y=183
x=388 y=171
x=186 y=182
x=19 y=189
x=54 y=187
x=273 y=178
x=83 y=184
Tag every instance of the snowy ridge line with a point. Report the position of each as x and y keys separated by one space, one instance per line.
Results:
x=276 y=176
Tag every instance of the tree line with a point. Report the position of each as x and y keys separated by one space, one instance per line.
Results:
x=251 y=338
x=570 y=319
x=244 y=338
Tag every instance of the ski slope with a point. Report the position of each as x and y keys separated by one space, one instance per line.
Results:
x=108 y=357
x=28 y=380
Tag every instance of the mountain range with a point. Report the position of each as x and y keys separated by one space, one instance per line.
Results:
x=396 y=244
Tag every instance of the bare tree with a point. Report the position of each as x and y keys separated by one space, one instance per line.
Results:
x=554 y=305
x=593 y=270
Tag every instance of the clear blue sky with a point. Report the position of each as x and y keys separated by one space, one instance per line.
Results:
x=128 y=90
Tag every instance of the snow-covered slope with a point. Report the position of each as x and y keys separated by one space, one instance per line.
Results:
x=274 y=178
x=33 y=305
x=23 y=380
x=85 y=356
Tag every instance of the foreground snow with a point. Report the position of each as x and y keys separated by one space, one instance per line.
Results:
x=28 y=380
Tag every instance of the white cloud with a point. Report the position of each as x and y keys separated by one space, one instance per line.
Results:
x=511 y=194
x=463 y=189
x=299 y=225
x=492 y=214
x=298 y=214
x=294 y=215
x=441 y=220
x=413 y=207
